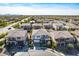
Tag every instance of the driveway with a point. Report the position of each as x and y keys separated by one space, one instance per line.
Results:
x=14 y=49
x=32 y=52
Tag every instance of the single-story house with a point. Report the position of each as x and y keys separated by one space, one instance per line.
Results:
x=26 y=26
x=40 y=37
x=37 y=26
x=62 y=38
x=17 y=38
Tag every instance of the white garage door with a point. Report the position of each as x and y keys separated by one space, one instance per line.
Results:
x=37 y=41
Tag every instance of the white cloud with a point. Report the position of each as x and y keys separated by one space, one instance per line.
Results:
x=37 y=11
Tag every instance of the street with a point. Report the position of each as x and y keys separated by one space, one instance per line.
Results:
x=6 y=29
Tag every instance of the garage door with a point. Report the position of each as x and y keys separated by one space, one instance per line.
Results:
x=37 y=41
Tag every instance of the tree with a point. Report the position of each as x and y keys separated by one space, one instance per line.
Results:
x=16 y=26
x=1 y=43
x=30 y=19
x=3 y=23
x=53 y=45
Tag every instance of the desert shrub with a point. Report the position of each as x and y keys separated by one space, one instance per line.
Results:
x=3 y=35
x=70 y=46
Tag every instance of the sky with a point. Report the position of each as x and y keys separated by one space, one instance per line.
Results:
x=40 y=8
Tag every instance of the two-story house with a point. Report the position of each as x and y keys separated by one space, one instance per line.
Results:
x=58 y=26
x=37 y=26
x=26 y=26
x=40 y=37
x=62 y=38
x=17 y=38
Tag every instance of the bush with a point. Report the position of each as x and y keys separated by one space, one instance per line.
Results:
x=70 y=46
x=3 y=35
x=3 y=23
x=77 y=46
x=30 y=31
x=1 y=43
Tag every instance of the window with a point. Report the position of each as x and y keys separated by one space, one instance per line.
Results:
x=38 y=36
x=62 y=39
x=46 y=36
x=11 y=39
x=18 y=37
x=62 y=44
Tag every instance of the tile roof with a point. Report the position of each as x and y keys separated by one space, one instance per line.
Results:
x=60 y=34
x=26 y=24
x=37 y=24
x=76 y=32
x=40 y=32
x=17 y=33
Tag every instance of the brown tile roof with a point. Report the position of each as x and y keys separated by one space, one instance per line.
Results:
x=60 y=34
x=17 y=33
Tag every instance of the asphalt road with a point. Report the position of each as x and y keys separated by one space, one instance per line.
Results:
x=6 y=29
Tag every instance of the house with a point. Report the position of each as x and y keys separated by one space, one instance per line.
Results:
x=62 y=38
x=40 y=37
x=76 y=34
x=26 y=26
x=32 y=22
x=47 y=25
x=17 y=38
x=38 y=20
x=37 y=26
x=75 y=22
x=58 y=26
x=10 y=19
x=47 y=20
x=71 y=26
